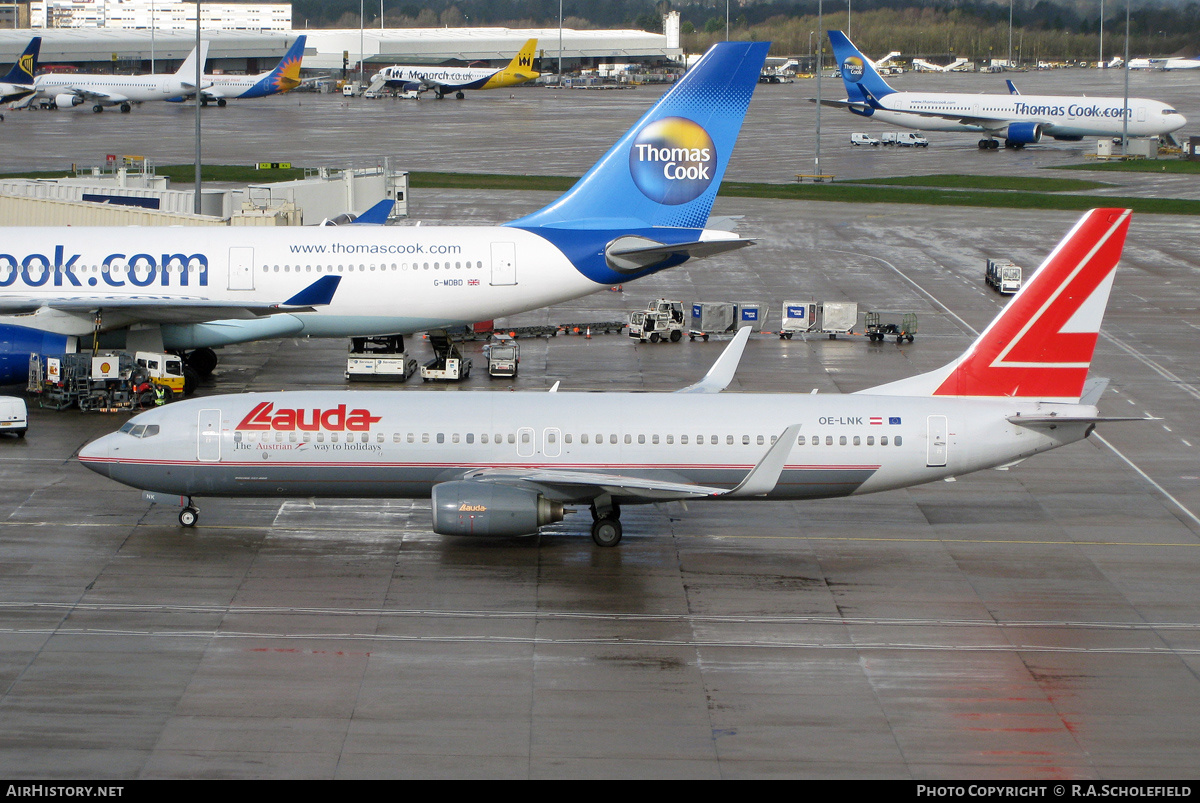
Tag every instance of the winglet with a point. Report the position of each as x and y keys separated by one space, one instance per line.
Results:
x=377 y=215
x=763 y=478
x=722 y=371
x=317 y=294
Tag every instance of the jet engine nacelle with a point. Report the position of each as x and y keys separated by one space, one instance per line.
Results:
x=67 y=100
x=1024 y=133
x=487 y=508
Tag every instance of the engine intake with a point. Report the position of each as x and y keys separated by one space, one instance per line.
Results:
x=67 y=100
x=490 y=509
x=1024 y=133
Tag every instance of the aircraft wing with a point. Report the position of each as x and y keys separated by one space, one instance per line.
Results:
x=92 y=94
x=77 y=315
x=565 y=485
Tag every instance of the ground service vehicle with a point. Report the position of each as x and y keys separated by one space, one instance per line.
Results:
x=882 y=325
x=1003 y=274
x=858 y=138
x=662 y=320
x=14 y=417
x=379 y=358
x=503 y=356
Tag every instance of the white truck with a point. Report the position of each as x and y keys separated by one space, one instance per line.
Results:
x=859 y=138
x=14 y=417
x=1003 y=274
x=911 y=139
x=448 y=363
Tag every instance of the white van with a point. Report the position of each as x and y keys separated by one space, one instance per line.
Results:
x=14 y=417
x=911 y=139
x=859 y=138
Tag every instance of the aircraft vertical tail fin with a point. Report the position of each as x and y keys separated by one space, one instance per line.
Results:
x=23 y=71
x=1040 y=346
x=858 y=73
x=522 y=63
x=187 y=71
x=284 y=76
x=666 y=170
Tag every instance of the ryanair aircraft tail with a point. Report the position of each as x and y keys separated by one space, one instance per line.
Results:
x=666 y=170
x=863 y=83
x=23 y=71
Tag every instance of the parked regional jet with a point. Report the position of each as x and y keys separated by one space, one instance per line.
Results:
x=641 y=209
x=444 y=80
x=505 y=464
x=18 y=82
x=284 y=77
x=1019 y=119
x=73 y=89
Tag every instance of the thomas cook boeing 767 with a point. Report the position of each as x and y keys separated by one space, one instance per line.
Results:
x=640 y=209
x=1019 y=119
x=504 y=464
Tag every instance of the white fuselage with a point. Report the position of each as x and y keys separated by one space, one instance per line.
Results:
x=394 y=279
x=386 y=444
x=447 y=77
x=1059 y=116
x=112 y=89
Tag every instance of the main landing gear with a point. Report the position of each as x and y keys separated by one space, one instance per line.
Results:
x=606 y=522
x=189 y=515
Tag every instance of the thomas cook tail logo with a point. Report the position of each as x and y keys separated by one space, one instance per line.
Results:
x=852 y=69
x=672 y=161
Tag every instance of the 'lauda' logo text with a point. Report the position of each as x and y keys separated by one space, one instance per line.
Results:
x=264 y=417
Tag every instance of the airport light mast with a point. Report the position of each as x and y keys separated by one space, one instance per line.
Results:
x=199 y=70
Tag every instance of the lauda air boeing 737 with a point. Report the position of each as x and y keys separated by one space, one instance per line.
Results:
x=505 y=464
x=1019 y=119
x=640 y=209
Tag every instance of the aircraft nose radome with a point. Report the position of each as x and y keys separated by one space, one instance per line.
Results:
x=94 y=455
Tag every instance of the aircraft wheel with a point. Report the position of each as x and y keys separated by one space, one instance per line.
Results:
x=97 y=108
x=189 y=516
x=459 y=95
x=606 y=532
x=190 y=380
x=983 y=144
x=125 y=107
x=994 y=144
x=221 y=103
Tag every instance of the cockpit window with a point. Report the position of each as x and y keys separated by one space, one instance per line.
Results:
x=1169 y=111
x=140 y=430
x=128 y=426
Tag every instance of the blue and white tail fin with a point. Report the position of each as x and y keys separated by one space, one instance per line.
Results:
x=666 y=170
x=863 y=83
x=23 y=71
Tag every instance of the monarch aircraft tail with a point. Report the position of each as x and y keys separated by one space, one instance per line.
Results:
x=1041 y=345
x=517 y=71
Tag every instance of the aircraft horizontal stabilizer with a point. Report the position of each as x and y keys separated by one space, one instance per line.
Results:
x=317 y=294
x=633 y=253
x=722 y=371
x=377 y=215
x=1057 y=420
